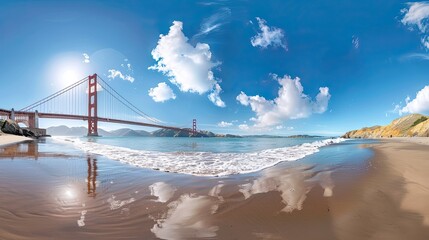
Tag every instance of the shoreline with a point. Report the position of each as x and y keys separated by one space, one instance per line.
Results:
x=397 y=189
x=9 y=139
x=381 y=195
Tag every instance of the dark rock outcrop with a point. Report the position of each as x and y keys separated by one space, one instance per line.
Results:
x=11 y=127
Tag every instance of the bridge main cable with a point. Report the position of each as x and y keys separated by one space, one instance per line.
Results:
x=128 y=104
x=54 y=95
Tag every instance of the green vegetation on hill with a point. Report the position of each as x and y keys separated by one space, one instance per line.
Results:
x=422 y=119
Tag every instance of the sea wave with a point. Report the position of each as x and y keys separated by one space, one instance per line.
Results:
x=202 y=163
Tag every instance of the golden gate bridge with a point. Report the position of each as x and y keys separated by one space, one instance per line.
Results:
x=90 y=99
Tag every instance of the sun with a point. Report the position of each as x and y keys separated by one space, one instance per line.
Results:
x=65 y=69
x=68 y=77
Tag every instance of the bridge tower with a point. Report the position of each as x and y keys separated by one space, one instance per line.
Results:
x=92 y=106
x=194 y=126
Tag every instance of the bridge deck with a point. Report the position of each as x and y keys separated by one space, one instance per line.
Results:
x=85 y=118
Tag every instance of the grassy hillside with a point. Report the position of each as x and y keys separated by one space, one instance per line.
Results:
x=413 y=125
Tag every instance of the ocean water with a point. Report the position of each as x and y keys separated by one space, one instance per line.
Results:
x=201 y=156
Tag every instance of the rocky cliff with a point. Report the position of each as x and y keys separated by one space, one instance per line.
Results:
x=413 y=125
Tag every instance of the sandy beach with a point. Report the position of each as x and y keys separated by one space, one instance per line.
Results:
x=391 y=202
x=382 y=196
x=6 y=139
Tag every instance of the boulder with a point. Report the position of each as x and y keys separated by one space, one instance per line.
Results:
x=28 y=133
x=11 y=127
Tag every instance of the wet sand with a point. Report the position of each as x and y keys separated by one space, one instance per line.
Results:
x=7 y=139
x=90 y=197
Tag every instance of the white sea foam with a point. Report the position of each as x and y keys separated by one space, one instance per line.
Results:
x=203 y=163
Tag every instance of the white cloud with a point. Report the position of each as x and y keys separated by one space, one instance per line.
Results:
x=425 y=41
x=215 y=98
x=291 y=103
x=116 y=73
x=420 y=56
x=161 y=93
x=355 y=42
x=225 y=124
x=188 y=67
x=214 y=22
x=418 y=15
x=243 y=127
x=420 y=104
x=85 y=58
x=268 y=36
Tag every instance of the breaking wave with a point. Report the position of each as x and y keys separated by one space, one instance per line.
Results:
x=203 y=163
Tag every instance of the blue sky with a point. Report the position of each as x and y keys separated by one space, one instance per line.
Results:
x=277 y=67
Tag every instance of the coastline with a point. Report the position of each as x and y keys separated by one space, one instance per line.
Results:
x=392 y=199
x=379 y=191
x=409 y=159
x=8 y=139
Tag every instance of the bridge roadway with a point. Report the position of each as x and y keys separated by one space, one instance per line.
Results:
x=85 y=118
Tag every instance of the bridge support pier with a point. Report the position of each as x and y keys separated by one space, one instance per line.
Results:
x=12 y=114
x=92 y=106
x=36 y=119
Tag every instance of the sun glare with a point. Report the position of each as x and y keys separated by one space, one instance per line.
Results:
x=66 y=69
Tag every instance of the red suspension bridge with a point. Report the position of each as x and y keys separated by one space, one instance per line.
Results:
x=91 y=99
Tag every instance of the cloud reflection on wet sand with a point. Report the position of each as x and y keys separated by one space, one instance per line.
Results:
x=293 y=185
x=189 y=217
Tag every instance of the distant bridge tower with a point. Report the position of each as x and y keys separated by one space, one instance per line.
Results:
x=92 y=105
x=194 y=126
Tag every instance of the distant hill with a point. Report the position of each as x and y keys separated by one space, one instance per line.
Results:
x=123 y=132
x=276 y=136
x=413 y=125
x=73 y=131
x=175 y=133
x=82 y=131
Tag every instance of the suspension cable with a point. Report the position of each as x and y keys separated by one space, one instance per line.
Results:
x=54 y=95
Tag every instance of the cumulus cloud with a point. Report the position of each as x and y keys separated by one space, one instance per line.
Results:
x=268 y=36
x=291 y=103
x=85 y=58
x=420 y=104
x=113 y=73
x=214 y=22
x=225 y=124
x=161 y=93
x=188 y=67
x=355 y=42
x=243 y=127
x=417 y=14
x=215 y=98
